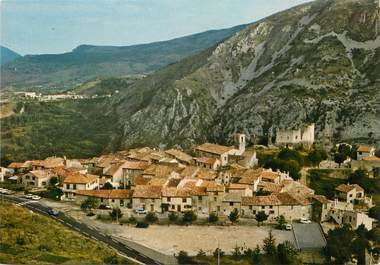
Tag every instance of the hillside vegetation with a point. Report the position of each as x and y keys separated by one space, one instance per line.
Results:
x=28 y=238
x=73 y=128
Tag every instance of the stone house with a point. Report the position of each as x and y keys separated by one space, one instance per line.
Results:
x=147 y=197
x=4 y=172
x=20 y=167
x=113 y=198
x=37 y=178
x=219 y=152
x=238 y=188
x=180 y=156
x=176 y=200
x=365 y=151
x=131 y=170
x=230 y=202
x=207 y=162
x=76 y=181
x=115 y=174
x=349 y=193
x=274 y=205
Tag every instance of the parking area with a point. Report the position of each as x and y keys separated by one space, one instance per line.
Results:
x=308 y=236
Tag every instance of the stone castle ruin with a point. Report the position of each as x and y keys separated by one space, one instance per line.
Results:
x=303 y=135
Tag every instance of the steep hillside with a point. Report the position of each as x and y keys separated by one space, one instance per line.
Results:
x=318 y=62
x=7 y=55
x=87 y=62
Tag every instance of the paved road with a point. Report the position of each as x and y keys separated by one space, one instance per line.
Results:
x=82 y=228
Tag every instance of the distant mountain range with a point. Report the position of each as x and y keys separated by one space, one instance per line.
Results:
x=88 y=62
x=7 y=55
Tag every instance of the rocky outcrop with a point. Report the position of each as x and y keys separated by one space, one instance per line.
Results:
x=318 y=62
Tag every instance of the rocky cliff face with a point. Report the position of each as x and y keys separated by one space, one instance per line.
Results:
x=318 y=62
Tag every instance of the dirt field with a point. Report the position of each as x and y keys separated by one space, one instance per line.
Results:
x=171 y=239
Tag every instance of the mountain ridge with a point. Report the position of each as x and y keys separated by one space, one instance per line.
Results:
x=7 y=55
x=87 y=62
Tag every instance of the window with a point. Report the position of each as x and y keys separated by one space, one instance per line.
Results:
x=184 y=199
x=101 y=199
x=173 y=207
x=231 y=204
x=67 y=186
x=74 y=186
x=215 y=198
x=254 y=211
x=262 y=207
x=271 y=212
x=271 y=207
x=169 y=199
x=250 y=207
x=112 y=200
x=200 y=198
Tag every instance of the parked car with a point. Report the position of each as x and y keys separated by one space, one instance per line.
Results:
x=305 y=220
x=36 y=198
x=53 y=212
x=288 y=226
x=28 y=196
x=104 y=207
x=140 y=211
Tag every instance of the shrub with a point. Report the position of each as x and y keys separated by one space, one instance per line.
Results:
x=116 y=214
x=173 y=217
x=218 y=251
x=201 y=253
x=189 y=217
x=234 y=215
x=213 y=218
x=184 y=258
x=151 y=218
x=142 y=225
x=132 y=220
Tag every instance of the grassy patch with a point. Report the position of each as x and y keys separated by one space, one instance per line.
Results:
x=322 y=184
x=28 y=238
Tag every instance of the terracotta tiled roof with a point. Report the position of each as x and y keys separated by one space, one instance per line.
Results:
x=211 y=186
x=206 y=174
x=190 y=171
x=15 y=165
x=206 y=160
x=140 y=180
x=269 y=175
x=41 y=173
x=147 y=192
x=179 y=155
x=237 y=186
x=78 y=178
x=260 y=200
x=173 y=182
x=37 y=163
x=371 y=158
x=248 y=176
x=112 y=169
x=160 y=171
x=269 y=186
x=157 y=182
x=135 y=165
x=106 y=194
x=347 y=188
x=365 y=148
x=52 y=162
x=214 y=148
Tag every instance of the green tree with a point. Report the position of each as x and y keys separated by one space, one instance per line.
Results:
x=107 y=186
x=316 y=156
x=236 y=253
x=201 y=253
x=116 y=214
x=151 y=218
x=89 y=204
x=255 y=256
x=281 y=222
x=344 y=149
x=184 y=258
x=261 y=217
x=339 y=244
x=374 y=235
x=173 y=217
x=339 y=158
x=234 y=215
x=289 y=154
x=269 y=244
x=287 y=253
x=189 y=217
x=53 y=181
x=213 y=218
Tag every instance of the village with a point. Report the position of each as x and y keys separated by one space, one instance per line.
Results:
x=211 y=180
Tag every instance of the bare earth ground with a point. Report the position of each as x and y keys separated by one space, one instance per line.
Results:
x=171 y=239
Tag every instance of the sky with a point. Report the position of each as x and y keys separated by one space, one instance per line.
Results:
x=57 y=26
